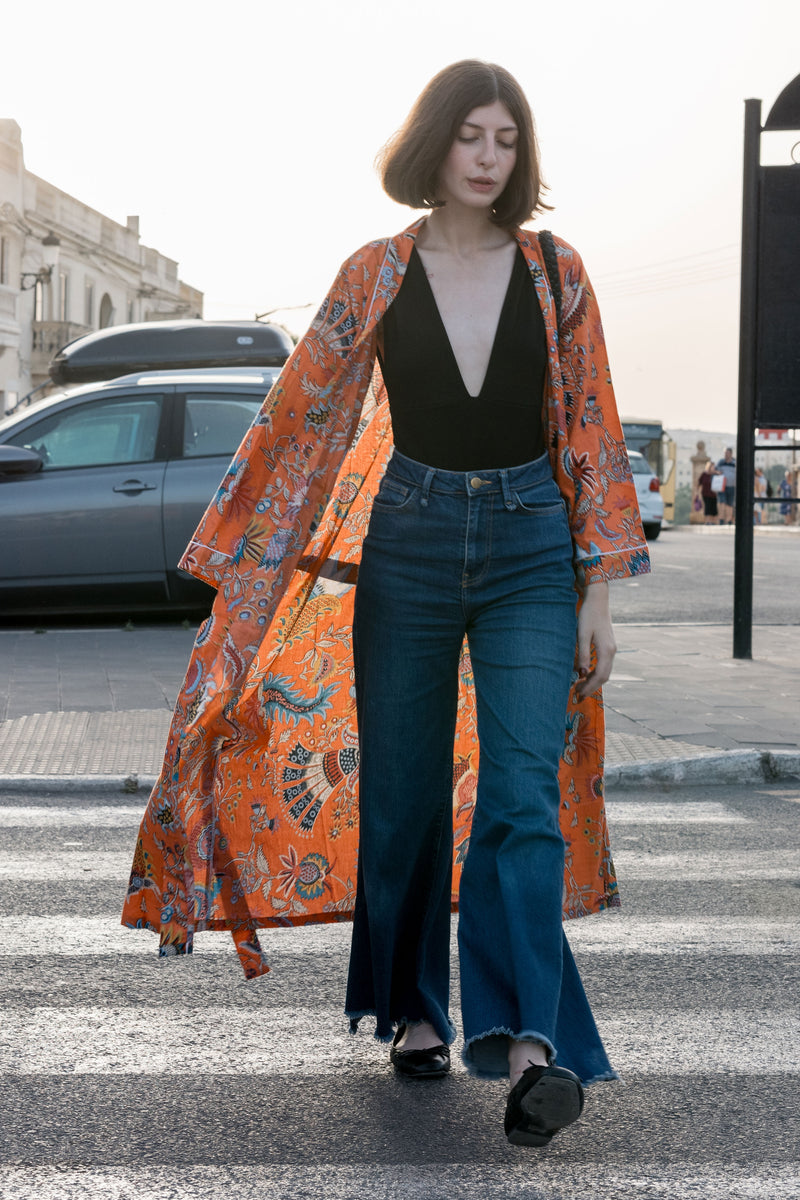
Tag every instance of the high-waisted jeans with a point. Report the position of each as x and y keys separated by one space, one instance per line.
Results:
x=486 y=554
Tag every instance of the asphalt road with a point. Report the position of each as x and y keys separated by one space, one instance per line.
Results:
x=123 y=1077
x=692 y=580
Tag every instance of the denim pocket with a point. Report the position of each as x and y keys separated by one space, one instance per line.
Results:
x=392 y=494
x=546 y=507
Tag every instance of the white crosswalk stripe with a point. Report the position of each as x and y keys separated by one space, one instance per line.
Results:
x=445 y=1180
x=687 y=1059
x=128 y=816
x=610 y=932
x=701 y=812
x=79 y=858
x=165 y=1041
x=100 y=816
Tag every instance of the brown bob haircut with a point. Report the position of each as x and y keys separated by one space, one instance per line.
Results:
x=410 y=161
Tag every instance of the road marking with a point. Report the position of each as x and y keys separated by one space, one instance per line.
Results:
x=121 y=816
x=80 y=863
x=692 y=813
x=102 y=816
x=639 y=864
x=83 y=862
x=615 y=932
x=69 y=937
x=655 y=1180
x=114 y=1040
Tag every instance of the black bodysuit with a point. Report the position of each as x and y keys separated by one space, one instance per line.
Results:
x=434 y=419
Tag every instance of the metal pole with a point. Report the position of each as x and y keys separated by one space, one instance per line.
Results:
x=745 y=450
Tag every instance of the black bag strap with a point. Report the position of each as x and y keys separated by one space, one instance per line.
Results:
x=551 y=263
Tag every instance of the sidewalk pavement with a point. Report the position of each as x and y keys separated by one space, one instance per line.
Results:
x=85 y=710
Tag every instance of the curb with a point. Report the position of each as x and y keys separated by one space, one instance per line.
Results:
x=728 y=766
x=69 y=785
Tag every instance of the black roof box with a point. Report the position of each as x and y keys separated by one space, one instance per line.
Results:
x=169 y=345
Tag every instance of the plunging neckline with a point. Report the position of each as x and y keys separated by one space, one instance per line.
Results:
x=454 y=361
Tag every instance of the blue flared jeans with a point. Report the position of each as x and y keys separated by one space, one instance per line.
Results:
x=487 y=555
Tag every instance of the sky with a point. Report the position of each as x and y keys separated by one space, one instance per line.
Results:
x=244 y=135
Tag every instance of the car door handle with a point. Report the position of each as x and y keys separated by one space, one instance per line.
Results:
x=132 y=487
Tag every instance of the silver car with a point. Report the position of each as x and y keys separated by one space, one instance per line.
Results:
x=648 y=493
x=102 y=486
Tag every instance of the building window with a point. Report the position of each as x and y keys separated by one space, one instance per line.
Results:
x=4 y=250
x=88 y=303
x=38 y=301
x=63 y=296
x=131 y=312
x=106 y=312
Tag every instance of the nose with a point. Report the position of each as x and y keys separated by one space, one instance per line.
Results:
x=488 y=152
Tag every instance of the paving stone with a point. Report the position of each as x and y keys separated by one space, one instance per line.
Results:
x=677 y=693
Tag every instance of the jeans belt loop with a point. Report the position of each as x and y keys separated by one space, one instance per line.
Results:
x=426 y=487
x=508 y=499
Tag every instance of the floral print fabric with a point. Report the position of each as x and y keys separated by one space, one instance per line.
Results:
x=254 y=819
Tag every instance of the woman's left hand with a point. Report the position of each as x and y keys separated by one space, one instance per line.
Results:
x=594 y=632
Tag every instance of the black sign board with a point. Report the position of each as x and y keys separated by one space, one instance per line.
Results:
x=778 y=335
x=769 y=327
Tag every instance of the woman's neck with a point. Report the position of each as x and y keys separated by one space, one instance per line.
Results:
x=461 y=231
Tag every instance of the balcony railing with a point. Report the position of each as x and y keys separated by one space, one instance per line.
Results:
x=48 y=338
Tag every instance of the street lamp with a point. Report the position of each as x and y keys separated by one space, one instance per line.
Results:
x=45 y=273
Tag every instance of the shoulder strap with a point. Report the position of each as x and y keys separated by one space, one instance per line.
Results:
x=551 y=263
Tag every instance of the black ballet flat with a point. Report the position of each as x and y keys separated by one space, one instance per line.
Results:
x=544 y=1100
x=431 y=1063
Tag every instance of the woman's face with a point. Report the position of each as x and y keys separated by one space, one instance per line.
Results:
x=481 y=159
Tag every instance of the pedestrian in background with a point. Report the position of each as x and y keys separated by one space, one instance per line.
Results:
x=506 y=504
x=785 y=492
x=760 y=493
x=727 y=498
x=707 y=494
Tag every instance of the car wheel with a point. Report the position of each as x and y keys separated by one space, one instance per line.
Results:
x=652 y=530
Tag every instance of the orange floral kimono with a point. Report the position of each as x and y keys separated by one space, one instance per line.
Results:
x=254 y=819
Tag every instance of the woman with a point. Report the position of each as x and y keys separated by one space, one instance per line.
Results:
x=785 y=493
x=489 y=523
x=726 y=500
x=707 y=493
x=760 y=493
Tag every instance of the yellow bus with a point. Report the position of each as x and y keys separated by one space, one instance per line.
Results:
x=648 y=437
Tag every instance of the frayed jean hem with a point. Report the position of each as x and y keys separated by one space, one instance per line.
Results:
x=495 y=1065
x=500 y=1057
x=403 y=1022
x=611 y=1076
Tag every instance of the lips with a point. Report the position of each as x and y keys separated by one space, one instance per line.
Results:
x=482 y=183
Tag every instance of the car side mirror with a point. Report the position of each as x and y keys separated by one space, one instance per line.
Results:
x=16 y=460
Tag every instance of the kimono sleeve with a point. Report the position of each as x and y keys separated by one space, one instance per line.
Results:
x=593 y=469
x=271 y=498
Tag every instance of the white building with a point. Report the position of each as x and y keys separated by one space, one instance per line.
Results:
x=66 y=269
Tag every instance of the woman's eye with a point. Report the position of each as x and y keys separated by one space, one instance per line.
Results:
x=466 y=140
x=507 y=145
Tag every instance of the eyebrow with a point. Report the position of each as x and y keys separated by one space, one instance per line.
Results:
x=502 y=129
